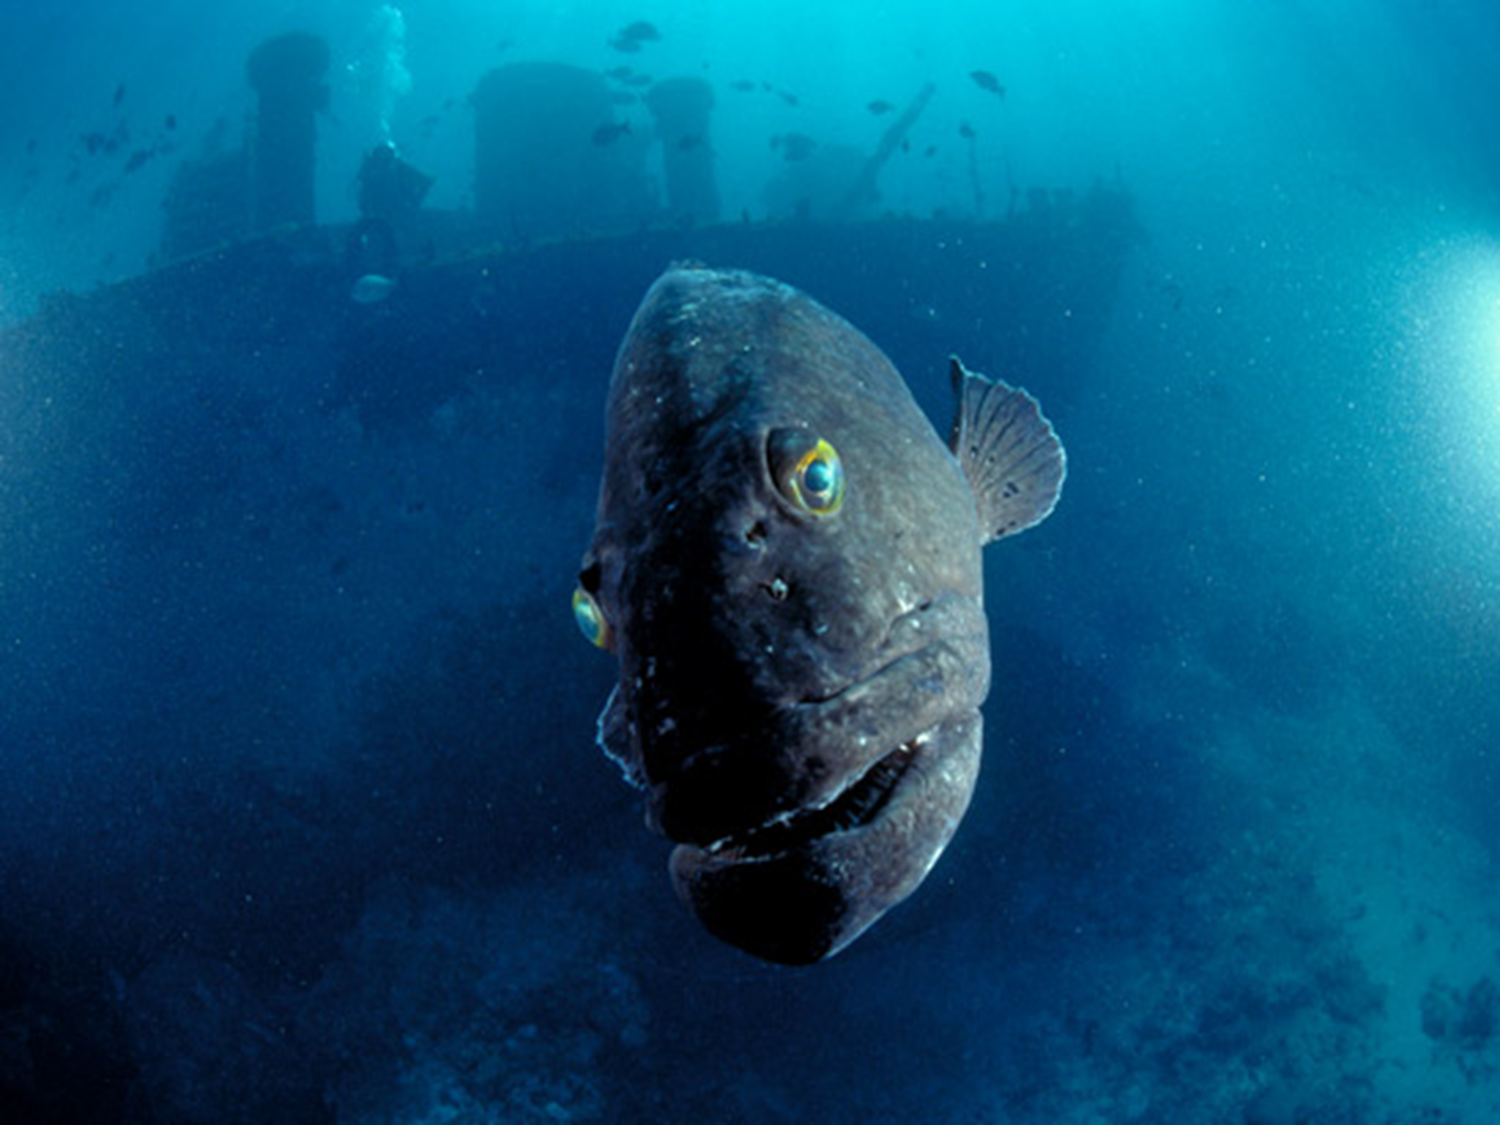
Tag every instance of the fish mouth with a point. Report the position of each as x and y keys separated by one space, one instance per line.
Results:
x=857 y=805
x=877 y=776
x=804 y=885
x=834 y=761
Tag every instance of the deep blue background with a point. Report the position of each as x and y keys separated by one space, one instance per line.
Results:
x=300 y=817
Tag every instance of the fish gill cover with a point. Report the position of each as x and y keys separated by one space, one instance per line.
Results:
x=302 y=818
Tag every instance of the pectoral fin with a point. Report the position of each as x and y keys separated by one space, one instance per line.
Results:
x=1013 y=460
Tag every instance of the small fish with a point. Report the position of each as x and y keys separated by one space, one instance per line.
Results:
x=170 y=123
x=138 y=159
x=610 y=132
x=966 y=131
x=371 y=289
x=987 y=81
x=790 y=99
x=629 y=38
x=119 y=94
x=880 y=108
x=794 y=146
x=31 y=147
x=930 y=150
x=743 y=86
x=619 y=73
x=641 y=32
x=786 y=566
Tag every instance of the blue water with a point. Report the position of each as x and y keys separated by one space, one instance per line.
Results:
x=300 y=813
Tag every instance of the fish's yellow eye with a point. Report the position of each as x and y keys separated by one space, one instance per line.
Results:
x=591 y=620
x=819 y=479
x=808 y=471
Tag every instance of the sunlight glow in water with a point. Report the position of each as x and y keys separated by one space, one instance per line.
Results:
x=1463 y=347
x=1460 y=364
x=1483 y=297
x=1475 y=293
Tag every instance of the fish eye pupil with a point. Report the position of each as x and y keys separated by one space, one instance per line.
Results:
x=807 y=471
x=820 y=480
x=819 y=476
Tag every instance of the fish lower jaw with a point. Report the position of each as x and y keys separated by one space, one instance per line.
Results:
x=855 y=806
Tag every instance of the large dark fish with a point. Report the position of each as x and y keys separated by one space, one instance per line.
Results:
x=787 y=565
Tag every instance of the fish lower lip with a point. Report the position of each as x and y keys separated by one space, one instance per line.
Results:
x=856 y=806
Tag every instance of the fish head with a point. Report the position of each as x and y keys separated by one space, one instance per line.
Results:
x=786 y=564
